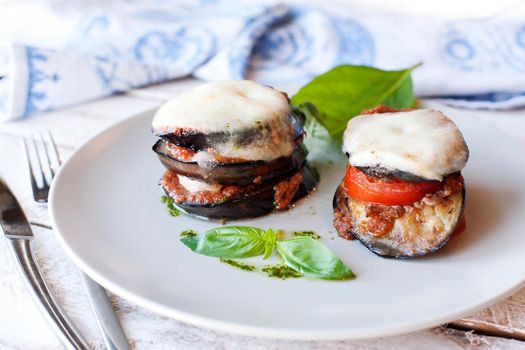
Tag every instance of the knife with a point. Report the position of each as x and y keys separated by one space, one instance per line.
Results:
x=18 y=233
x=107 y=321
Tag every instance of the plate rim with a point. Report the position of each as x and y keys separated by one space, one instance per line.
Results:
x=236 y=328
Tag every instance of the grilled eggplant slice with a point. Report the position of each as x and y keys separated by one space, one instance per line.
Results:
x=382 y=172
x=239 y=174
x=198 y=141
x=418 y=229
x=259 y=202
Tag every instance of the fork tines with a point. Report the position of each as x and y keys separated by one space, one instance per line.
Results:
x=43 y=160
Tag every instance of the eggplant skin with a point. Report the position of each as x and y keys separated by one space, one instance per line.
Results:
x=239 y=174
x=253 y=205
x=198 y=141
x=382 y=172
x=416 y=233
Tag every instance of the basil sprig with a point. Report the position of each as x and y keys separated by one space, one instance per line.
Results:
x=303 y=254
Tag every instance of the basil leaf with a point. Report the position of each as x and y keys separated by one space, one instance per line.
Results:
x=312 y=258
x=190 y=242
x=314 y=131
x=323 y=150
x=229 y=242
x=269 y=243
x=345 y=91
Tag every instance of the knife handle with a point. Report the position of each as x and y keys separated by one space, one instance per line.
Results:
x=54 y=314
x=107 y=320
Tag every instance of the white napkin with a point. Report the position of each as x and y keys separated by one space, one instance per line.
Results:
x=58 y=53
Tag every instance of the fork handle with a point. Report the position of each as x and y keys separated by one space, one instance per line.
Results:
x=50 y=309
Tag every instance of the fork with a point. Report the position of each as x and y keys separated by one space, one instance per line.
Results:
x=112 y=332
x=41 y=193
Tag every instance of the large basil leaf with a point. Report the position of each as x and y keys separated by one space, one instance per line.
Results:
x=323 y=150
x=345 y=91
x=312 y=258
x=314 y=131
x=229 y=242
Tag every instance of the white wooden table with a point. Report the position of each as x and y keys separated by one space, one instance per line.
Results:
x=22 y=327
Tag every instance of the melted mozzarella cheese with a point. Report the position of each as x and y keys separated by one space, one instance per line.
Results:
x=203 y=157
x=193 y=185
x=261 y=151
x=230 y=107
x=223 y=106
x=422 y=142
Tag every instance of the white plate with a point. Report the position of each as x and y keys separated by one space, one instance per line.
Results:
x=106 y=212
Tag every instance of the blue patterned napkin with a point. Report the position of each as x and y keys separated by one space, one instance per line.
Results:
x=74 y=52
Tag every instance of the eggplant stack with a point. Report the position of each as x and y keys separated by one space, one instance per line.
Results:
x=403 y=194
x=233 y=150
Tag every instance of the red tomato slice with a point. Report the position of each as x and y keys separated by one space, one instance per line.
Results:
x=393 y=192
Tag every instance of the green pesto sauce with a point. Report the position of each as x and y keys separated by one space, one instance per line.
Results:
x=239 y=265
x=280 y=271
x=306 y=233
x=188 y=233
x=168 y=202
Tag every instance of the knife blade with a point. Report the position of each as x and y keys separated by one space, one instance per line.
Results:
x=18 y=233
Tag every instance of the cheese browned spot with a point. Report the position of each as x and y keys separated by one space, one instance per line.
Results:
x=421 y=142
